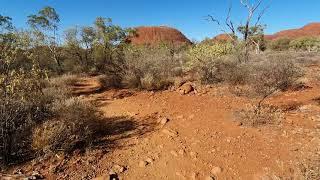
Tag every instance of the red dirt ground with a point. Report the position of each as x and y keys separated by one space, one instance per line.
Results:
x=201 y=137
x=154 y=35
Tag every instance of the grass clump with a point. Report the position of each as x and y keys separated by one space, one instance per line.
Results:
x=72 y=127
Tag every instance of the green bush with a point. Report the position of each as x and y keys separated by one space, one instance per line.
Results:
x=281 y=44
x=309 y=44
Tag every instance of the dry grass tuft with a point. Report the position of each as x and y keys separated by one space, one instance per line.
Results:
x=72 y=128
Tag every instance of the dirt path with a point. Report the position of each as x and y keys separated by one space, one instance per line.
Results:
x=201 y=137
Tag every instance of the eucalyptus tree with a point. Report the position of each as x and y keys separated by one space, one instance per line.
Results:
x=79 y=43
x=45 y=26
x=108 y=48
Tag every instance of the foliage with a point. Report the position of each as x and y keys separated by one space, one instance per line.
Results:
x=21 y=102
x=44 y=27
x=206 y=60
x=306 y=44
x=281 y=44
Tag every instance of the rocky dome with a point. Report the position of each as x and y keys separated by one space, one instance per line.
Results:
x=310 y=30
x=222 y=37
x=153 y=35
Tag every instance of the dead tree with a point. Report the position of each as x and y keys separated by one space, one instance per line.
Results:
x=252 y=14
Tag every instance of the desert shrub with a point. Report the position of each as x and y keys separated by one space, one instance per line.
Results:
x=309 y=44
x=65 y=80
x=281 y=44
x=207 y=60
x=256 y=116
x=151 y=68
x=22 y=102
x=273 y=74
x=73 y=126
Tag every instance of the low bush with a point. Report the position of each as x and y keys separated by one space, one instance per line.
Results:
x=72 y=127
x=309 y=44
x=281 y=44
x=273 y=74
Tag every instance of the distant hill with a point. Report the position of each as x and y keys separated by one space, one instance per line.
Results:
x=153 y=35
x=222 y=37
x=309 y=30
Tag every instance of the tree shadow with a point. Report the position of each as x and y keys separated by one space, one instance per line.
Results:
x=111 y=131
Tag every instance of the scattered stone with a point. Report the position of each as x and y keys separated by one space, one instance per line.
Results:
x=216 y=170
x=170 y=132
x=143 y=163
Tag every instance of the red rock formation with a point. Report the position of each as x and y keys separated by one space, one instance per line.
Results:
x=153 y=35
x=222 y=37
x=310 y=30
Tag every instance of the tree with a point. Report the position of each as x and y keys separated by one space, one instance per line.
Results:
x=256 y=36
x=108 y=46
x=247 y=30
x=79 y=44
x=45 y=26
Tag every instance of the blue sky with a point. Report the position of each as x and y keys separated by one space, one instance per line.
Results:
x=185 y=15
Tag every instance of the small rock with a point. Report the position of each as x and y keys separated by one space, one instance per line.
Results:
x=174 y=153
x=239 y=123
x=18 y=171
x=216 y=170
x=163 y=121
x=118 y=169
x=186 y=88
x=37 y=175
x=170 y=132
x=143 y=163
x=149 y=160
x=209 y=178
x=181 y=152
